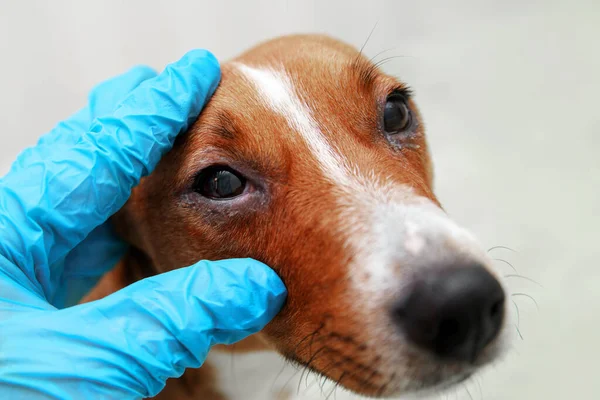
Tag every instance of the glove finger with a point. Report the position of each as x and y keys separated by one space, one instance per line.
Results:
x=54 y=196
x=15 y=297
x=152 y=330
x=102 y=100
x=80 y=272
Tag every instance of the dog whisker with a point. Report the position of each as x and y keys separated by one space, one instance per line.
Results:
x=517 y=326
x=529 y=297
x=507 y=263
x=311 y=336
x=313 y=382
x=468 y=392
x=323 y=383
x=308 y=364
x=281 y=391
x=306 y=379
x=519 y=332
x=286 y=364
x=475 y=378
x=325 y=370
x=386 y=60
x=308 y=373
x=523 y=277
x=372 y=59
x=501 y=247
x=518 y=314
x=321 y=379
x=367 y=41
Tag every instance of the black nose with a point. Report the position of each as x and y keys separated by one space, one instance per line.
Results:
x=452 y=312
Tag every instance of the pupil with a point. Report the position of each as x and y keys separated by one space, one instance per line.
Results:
x=225 y=184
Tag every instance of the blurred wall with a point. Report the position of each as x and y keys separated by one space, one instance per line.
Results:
x=509 y=91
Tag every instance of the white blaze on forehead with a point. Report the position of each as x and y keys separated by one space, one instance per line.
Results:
x=277 y=91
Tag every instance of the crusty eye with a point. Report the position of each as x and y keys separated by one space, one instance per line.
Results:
x=219 y=183
x=397 y=117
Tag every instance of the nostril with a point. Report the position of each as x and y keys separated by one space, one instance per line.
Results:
x=449 y=328
x=496 y=309
x=451 y=333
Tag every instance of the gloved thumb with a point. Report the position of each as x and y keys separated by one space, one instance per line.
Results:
x=157 y=327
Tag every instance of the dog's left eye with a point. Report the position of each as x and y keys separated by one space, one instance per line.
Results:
x=219 y=183
x=397 y=117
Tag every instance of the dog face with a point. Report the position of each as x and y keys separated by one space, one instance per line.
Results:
x=310 y=159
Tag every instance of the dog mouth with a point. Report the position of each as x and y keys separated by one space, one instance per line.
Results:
x=344 y=370
x=370 y=379
x=365 y=369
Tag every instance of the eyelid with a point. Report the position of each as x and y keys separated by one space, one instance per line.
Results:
x=401 y=91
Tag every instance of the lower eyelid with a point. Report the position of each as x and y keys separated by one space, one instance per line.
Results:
x=406 y=138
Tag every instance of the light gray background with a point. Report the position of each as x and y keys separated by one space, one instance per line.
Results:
x=509 y=90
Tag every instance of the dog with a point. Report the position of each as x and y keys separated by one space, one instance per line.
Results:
x=312 y=160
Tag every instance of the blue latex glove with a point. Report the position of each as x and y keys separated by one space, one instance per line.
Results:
x=55 y=244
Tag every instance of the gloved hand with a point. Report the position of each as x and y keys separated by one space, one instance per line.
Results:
x=55 y=244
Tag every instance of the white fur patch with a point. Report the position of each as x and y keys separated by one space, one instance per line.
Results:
x=415 y=242
x=389 y=230
x=276 y=90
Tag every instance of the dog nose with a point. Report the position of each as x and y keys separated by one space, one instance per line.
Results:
x=453 y=312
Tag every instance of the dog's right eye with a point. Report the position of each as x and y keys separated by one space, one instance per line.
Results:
x=219 y=183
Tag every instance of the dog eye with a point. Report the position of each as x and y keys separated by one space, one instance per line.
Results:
x=219 y=183
x=396 y=115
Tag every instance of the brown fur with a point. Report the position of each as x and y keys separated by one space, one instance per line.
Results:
x=281 y=224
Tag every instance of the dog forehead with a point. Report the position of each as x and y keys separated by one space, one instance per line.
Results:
x=307 y=101
x=319 y=68
x=307 y=88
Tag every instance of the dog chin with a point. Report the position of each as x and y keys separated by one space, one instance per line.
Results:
x=436 y=389
x=438 y=376
x=437 y=384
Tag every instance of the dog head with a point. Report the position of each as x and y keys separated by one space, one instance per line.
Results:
x=312 y=160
